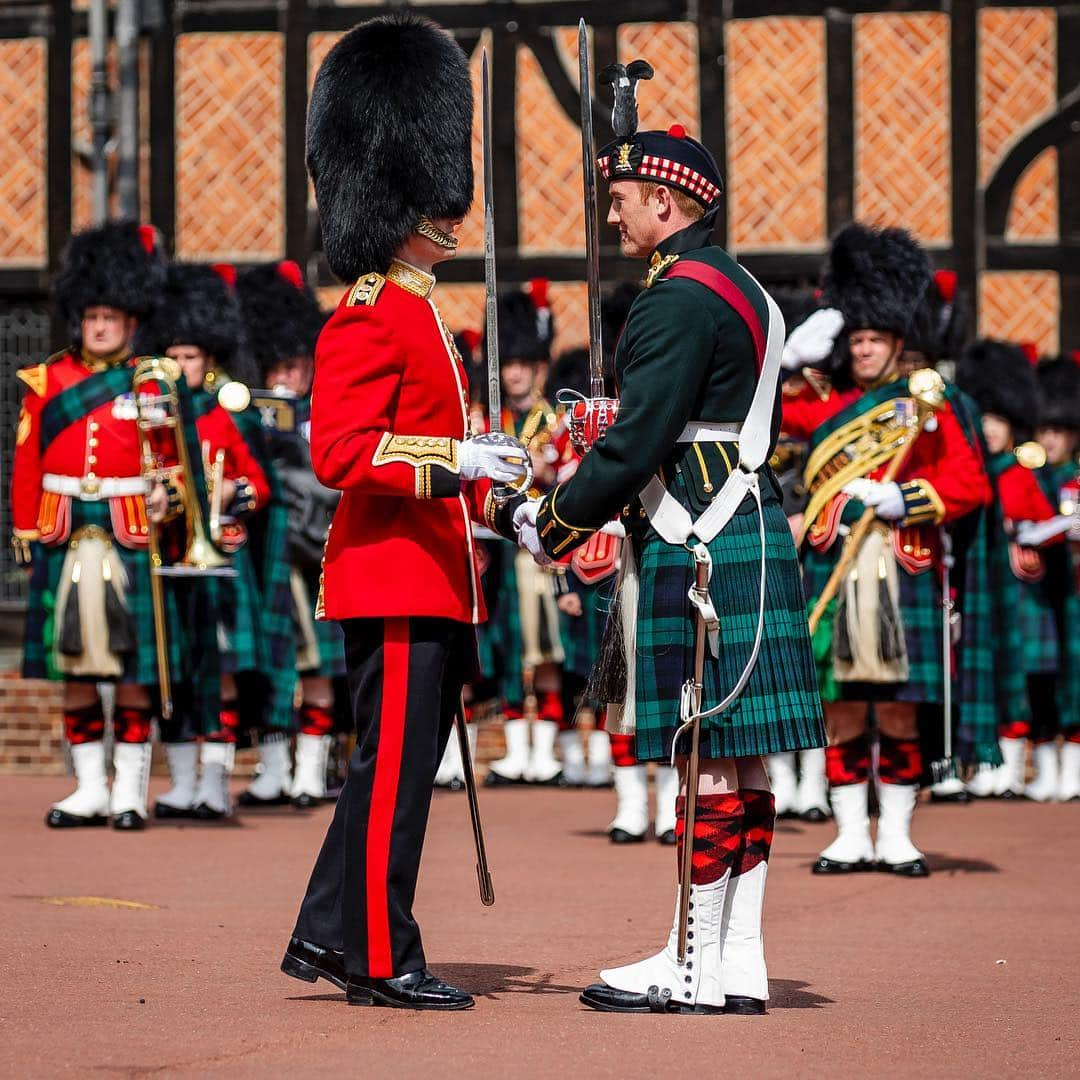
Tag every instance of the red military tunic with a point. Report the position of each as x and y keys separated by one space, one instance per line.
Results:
x=388 y=408
x=943 y=479
x=100 y=446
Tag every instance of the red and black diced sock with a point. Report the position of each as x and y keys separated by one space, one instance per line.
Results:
x=601 y=718
x=514 y=710
x=84 y=725
x=1015 y=729
x=899 y=760
x=131 y=724
x=550 y=707
x=316 y=720
x=848 y=763
x=759 y=821
x=1073 y=736
x=229 y=721
x=622 y=750
x=718 y=835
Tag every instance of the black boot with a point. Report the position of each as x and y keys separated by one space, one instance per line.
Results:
x=744 y=1006
x=606 y=998
x=417 y=990
x=621 y=836
x=309 y=962
x=129 y=820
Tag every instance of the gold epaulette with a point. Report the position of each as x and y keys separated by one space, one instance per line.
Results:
x=36 y=377
x=366 y=291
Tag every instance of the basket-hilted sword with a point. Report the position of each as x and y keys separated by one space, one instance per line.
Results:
x=592 y=240
x=491 y=288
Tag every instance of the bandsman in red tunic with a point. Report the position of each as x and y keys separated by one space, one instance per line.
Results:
x=389 y=151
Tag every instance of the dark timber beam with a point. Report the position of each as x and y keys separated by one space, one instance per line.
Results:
x=712 y=60
x=58 y=144
x=162 y=90
x=1068 y=77
x=840 y=135
x=295 y=76
x=967 y=229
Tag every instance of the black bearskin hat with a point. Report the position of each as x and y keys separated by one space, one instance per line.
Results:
x=200 y=308
x=571 y=372
x=1059 y=393
x=389 y=138
x=940 y=326
x=281 y=316
x=119 y=265
x=1000 y=379
x=525 y=331
x=876 y=277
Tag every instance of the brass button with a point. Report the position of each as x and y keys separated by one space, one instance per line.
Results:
x=93 y=442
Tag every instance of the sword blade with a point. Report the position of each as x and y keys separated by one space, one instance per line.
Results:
x=491 y=288
x=592 y=240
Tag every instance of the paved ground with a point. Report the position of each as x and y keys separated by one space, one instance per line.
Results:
x=974 y=972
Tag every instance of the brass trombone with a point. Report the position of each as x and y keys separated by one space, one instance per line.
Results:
x=162 y=410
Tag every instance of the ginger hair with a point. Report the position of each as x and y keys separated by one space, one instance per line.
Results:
x=686 y=203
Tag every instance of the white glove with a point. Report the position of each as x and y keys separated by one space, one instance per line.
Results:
x=887 y=500
x=1035 y=534
x=495 y=456
x=526 y=532
x=812 y=340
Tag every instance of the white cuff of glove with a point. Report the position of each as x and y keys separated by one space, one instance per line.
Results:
x=482 y=457
x=887 y=500
x=1035 y=534
x=527 y=535
x=812 y=340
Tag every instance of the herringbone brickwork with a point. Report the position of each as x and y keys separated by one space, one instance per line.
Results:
x=902 y=123
x=22 y=149
x=1017 y=88
x=230 y=167
x=1021 y=307
x=673 y=95
x=776 y=83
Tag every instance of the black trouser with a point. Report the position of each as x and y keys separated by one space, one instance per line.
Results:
x=405 y=677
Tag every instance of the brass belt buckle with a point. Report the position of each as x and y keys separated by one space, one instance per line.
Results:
x=90 y=486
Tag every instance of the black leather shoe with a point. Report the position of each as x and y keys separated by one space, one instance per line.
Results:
x=494 y=779
x=815 y=815
x=129 y=821
x=915 y=868
x=832 y=866
x=60 y=819
x=668 y=838
x=950 y=797
x=606 y=998
x=164 y=812
x=308 y=962
x=787 y=815
x=245 y=798
x=417 y=990
x=621 y=836
x=744 y=1006
x=306 y=801
x=208 y=813
x=452 y=785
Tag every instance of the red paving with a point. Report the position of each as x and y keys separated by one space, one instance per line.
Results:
x=974 y=972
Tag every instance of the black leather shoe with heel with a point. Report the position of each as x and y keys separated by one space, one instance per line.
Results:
x=417 y=990
x=309 y=962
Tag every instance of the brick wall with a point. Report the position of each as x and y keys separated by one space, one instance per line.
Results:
x=31 y=725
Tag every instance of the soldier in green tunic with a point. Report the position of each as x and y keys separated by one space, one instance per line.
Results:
x=683 y=467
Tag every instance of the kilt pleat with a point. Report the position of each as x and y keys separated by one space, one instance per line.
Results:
x=780 y=708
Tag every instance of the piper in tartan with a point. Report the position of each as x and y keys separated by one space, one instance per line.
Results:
x=282 y=322
x=524 y=626
x=200 y=327
x=389 y=151
x=881 y=643
x=698 y=375
x=80 y=516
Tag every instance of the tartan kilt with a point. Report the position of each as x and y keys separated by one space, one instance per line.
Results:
x=581 y=634
x=500 y=637
x=242 y=645
x=1040 y=650
x=920 y=612
x=329 y=637
x=140 y=666
x=780 y=708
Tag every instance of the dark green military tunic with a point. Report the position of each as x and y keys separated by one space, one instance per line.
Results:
x=685 y=355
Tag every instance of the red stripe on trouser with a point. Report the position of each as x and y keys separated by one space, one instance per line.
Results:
x=131 y=725
x=1015 y=729
x=622 y=750
x=84 y=725
x=384 y=788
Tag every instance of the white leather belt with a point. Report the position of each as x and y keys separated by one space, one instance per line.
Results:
x=706 y=431
x=94 y=488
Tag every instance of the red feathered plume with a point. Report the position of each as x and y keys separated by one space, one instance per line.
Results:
x=1074 y=356
x=225 y=271
x=472 y=339
x=292 y=273
x=1031 y=351
x=946 y=284
x=148 y=237
x=538 y=291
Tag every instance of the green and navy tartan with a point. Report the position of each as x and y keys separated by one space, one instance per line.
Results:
x=581 y=634
x=780 y=708
x=499 y=639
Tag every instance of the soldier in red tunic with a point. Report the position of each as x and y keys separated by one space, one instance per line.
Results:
x=80 y=518
x=389 y=151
